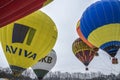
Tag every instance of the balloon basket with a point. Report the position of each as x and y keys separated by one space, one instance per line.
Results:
x=114 y=61
x=16 y=74
x=86 y=69
x=40 y=78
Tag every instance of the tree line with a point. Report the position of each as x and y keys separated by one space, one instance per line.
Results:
x=29 y=75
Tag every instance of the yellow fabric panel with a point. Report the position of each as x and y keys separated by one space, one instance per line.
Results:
x=105 y=34
x=47 y=2
x=43 y=40
x=78 y=24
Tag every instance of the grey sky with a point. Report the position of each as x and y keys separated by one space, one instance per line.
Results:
x=65 y=14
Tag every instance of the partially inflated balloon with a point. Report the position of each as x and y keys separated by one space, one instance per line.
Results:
x=100 y=25
x=11 y=10
x=83 y=52
x=45 y=65
x=28 y=40
x=84 y=39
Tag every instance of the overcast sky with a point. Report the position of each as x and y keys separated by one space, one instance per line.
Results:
x=65 y=14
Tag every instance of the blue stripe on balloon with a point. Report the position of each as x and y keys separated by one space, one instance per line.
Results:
x=98 y=14
x=112 y=50
x=117 y=43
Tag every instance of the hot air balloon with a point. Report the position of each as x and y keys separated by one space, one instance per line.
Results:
x=83 y=52
x=28 y=40
x=100 y=25
x=45 y=65
x=11 y=10
x=83 y=38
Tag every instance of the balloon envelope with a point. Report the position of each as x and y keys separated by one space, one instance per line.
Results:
x=100 y=25
x=45 y=64
x=81 y=35
x=11 y=10
x=82 y=51
x=27 y=40
x=84 y=39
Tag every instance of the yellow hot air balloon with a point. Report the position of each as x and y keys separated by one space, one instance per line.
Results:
x=28 y=40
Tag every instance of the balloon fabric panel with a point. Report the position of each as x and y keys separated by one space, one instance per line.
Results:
x=98 y=15
x=85 y=56
x=40 y=73
x=21 y=10
x=105 y=34
x=4 y=3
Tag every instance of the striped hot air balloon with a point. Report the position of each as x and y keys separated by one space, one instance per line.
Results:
x=83 y=52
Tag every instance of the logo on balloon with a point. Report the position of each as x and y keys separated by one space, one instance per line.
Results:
x=20 y=33
x=46 y=59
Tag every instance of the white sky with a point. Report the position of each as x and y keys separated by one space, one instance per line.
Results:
x=65 y=14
